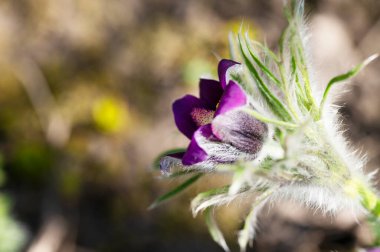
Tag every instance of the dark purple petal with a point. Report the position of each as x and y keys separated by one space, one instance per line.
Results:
x=233 y=97
x=241 y=130
x=223 y=66
x=182 y=109
x=210 y=92
x=195 y=153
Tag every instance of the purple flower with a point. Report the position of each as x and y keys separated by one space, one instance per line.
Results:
x=373 y=250
x=218 y=130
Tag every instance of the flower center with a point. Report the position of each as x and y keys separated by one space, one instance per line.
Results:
x=202 y=116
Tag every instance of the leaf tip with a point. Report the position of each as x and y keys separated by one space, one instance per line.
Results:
x=370 y=59
x=152 y=206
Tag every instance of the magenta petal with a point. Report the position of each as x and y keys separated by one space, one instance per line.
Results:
x=195 y=154
x=210 y=92
x=182 y=109
x=233 y=97
x=223 y=66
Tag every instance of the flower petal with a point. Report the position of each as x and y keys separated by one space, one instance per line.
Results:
x=195 y=153
x=241 y=130
x=210 y=92
x=205 y=148
x=182 y=110
x=233 y=97
x=223 y=66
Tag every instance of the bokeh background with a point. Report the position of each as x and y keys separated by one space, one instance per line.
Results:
x=85 y=106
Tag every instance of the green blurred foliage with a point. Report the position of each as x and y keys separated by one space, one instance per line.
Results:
x=2 y=173
x=31 y=162
x=12 y=235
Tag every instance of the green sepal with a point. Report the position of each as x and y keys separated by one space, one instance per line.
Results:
x=204 y=196
x=156 y=162
x=214 y=230
x=244 y=234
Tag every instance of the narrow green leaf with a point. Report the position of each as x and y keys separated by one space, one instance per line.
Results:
x=277 y=107
x=156 y=162
x=175 y=191
x=290 y=98
x=214 y=230
x=281 y=42
x=300 y=90
x=267 y=51
x=293 y=39
x=261 y=65
x=301 y=62
x=294 y=10
x=298 y=7
x=302 y=101
x=353 y=72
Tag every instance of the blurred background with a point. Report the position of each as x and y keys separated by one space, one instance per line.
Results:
x=85 y=106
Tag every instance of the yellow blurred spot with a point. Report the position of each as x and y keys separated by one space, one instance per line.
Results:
x=110 y=115
x=351 y=190
x=236 y=26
